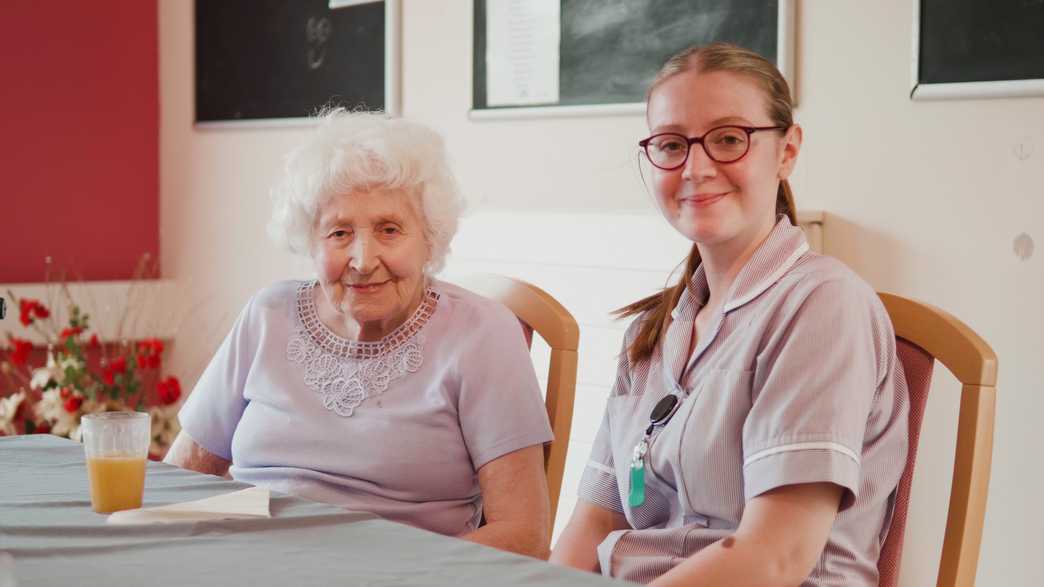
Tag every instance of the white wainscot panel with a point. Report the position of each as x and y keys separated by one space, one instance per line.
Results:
x=576 y=458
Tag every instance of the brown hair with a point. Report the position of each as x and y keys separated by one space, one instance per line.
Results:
x=706 y=59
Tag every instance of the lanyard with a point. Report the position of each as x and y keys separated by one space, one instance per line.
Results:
x=660 y=415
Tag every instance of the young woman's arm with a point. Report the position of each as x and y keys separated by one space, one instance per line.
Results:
x=515 y=503
x=587 y=528
x=780 y=537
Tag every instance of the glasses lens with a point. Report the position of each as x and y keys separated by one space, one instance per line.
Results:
x=667 y=150
x=727 y=143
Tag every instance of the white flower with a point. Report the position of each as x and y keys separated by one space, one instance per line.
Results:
x=51 y=407
x=8 y=408
x=69 y=361
x=44 y=374
x=40 y=378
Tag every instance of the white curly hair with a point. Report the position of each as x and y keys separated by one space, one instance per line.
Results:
x=354 y=151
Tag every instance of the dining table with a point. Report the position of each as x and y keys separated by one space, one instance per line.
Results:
x=49 y=535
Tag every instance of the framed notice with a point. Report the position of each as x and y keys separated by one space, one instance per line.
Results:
x=265 y=62
x=974 y=49
x=597 y=57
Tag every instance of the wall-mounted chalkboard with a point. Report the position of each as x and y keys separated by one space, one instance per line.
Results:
x=281 y=60
x=977 y=49
x=610 y=50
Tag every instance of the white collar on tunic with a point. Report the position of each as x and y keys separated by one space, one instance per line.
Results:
x=780 y=250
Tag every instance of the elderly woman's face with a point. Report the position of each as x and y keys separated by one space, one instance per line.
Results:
x=369 y=249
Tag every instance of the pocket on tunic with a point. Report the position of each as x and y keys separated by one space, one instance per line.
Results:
x=628 y=415
x=711 y=444
x=626 y=426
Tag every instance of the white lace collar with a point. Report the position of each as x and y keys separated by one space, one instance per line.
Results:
x=345 y=372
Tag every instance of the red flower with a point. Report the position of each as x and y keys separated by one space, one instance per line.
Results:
x=29 y=310
x=169 y=390
x=149 y=351
x=148 y=361
x=64 y=393
x=73 y=403
x=117 y=365
x=24 y=411
x=66 y=333
x=43 y=427
x=25 y=312
x=20 y=351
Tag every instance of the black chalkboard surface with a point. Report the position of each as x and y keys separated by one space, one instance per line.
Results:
x=265 y=59
x=979 y=41
x=610 y=50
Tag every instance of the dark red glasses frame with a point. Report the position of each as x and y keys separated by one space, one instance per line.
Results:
x=644 y=143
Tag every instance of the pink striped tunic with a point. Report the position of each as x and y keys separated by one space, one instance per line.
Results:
x=797 y=381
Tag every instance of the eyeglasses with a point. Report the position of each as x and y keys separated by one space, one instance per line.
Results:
x=723 y=144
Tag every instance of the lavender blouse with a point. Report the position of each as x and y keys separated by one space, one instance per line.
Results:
x=397 y=427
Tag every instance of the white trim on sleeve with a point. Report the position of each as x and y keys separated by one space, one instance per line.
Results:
x=834 y=446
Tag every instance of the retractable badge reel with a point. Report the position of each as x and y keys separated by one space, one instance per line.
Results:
x=661 y=413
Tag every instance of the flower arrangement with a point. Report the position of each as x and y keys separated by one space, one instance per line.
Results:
x=77 y=374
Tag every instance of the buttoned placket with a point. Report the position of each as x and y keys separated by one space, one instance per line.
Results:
x=676 y=365
x=677 y=368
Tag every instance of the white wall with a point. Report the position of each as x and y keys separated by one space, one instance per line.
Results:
x=923 y=199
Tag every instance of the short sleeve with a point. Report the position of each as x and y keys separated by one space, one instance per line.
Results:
x=499 y=405
x=213 y=409
x=598 y=484
x=814 y=385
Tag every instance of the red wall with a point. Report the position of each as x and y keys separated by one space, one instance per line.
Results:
x=79 y=148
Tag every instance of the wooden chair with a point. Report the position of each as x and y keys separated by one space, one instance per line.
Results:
x=924 y=334
x=538 y=311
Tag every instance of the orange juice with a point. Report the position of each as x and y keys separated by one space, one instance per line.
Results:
x=117 y=483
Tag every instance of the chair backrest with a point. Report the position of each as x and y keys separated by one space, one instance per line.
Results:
x=538 y=311
x=924 y=333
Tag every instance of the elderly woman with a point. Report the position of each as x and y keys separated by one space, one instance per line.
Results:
x=375 y=386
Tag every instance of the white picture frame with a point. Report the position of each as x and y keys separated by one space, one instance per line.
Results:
x=392 y=73
x=964 y=90
x=786 y=32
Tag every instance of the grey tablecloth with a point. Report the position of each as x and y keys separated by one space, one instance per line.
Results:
x=47 y=525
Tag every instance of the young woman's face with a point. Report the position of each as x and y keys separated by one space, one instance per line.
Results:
x=370 y=251
x=720 y=205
